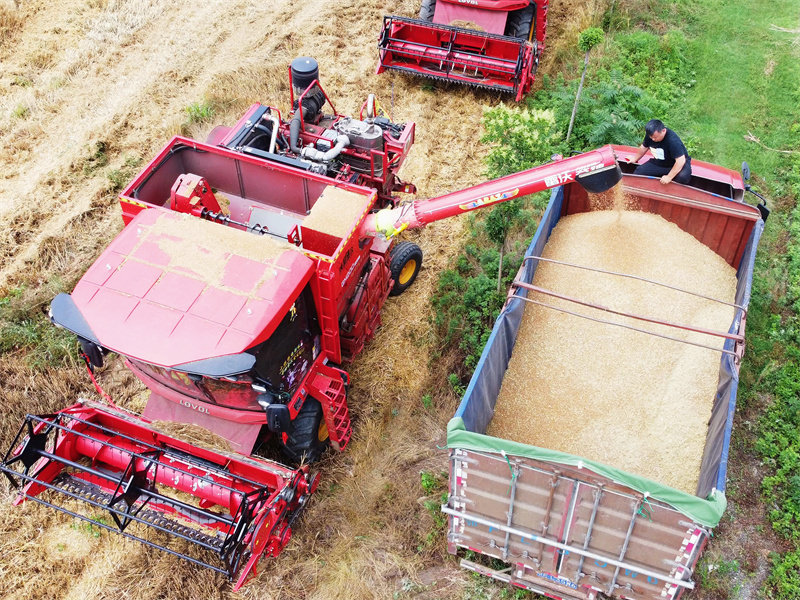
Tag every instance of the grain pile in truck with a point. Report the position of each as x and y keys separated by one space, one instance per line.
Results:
x=574 y=521
x=644 y=399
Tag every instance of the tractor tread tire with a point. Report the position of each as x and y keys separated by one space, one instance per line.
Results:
x=426 y=10
x=520 y=22
x=303 y=445
x=401 y=254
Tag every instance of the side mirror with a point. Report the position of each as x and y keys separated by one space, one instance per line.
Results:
x=278 y=418
x=93 y=352
x=745 y=171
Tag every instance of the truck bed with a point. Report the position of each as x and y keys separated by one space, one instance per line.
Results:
x=606 y=386
x=569 y=526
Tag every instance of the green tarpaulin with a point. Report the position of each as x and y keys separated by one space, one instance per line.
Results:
x=706 y=511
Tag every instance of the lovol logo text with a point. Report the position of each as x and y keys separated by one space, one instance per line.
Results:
x=489 y=199
x=197 y=407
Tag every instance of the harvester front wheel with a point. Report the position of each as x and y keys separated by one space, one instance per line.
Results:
x=426 y=10
x=520 y=23
x=309 y=437
x=404 y=264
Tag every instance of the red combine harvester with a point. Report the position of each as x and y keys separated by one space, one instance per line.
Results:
x=239 y=282
x=502 y=54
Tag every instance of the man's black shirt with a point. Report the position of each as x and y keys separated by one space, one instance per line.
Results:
x=667 y=150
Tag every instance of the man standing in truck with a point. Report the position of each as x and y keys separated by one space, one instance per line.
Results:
x=670 y=159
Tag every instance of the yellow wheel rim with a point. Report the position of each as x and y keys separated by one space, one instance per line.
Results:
x=407 y=272
x=322 y=432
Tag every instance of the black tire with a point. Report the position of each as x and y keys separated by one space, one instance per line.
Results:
x=304 y=444
x=520 y=22
x=404 y=264
x=426 y=10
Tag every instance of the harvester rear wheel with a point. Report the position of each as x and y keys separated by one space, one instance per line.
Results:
x=426 y=10
x=404 y=264
x=520 y=22
x=309 y=438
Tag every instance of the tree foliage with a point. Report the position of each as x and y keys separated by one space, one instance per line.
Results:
x=590 y=38
x=612 y=111
x=521 y=138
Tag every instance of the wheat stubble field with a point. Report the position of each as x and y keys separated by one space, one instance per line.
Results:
x=89 y=91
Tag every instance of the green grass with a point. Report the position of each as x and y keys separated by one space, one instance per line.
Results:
x=25 y=328
x=747 y=80
x=20 y=111
x=197 y=112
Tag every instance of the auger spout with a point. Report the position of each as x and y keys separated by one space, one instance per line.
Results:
x=596 y=171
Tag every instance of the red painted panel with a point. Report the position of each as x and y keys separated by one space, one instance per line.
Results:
x=147 y=251
x=108 y=306
x=218 y=306
x=176 y=291
x=682 y=217
x=84 y=293
x=133 y=278
x=727 y=246
x=103 y=268
x=697 y=225
x=714 y=232
x=244 y=274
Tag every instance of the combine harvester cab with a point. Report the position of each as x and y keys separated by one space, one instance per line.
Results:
x=570 y=527
x=502 y=53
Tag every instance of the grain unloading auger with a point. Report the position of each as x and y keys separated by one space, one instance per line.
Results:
x=502 y=53
x=596 y=171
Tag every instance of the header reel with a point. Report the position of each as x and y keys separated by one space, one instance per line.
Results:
x=233 y=508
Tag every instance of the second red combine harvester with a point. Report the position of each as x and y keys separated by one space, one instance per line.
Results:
x=492 y=44
x=249 y=269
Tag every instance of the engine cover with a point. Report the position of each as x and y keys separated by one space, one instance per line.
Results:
x=364 y=136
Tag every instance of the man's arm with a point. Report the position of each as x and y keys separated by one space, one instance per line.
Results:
x=676 y=168
x=639 y=154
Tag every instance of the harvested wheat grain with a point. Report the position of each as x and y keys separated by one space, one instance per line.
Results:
x=194 y=434
x=204 y=248
x=224 y=203
x=466 y=25
x=614 y=199
x=335 y=212
x=624 y=398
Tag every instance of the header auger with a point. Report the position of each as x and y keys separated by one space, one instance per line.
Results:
x=235 y=509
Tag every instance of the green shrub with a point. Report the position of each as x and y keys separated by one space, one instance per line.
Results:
x=612 y=109
x=521 y=138
x=784 y=580
x=198 y=112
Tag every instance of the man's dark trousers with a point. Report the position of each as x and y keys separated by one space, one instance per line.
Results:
x=653 y=171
